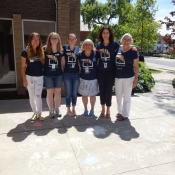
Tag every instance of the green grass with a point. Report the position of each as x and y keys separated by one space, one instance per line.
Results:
x=155 y=71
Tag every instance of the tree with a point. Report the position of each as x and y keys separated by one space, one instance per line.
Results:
x=94 y=12
x=136 y=19
x=144 y=13
x=170 y=25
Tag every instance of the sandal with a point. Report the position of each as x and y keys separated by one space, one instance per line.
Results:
x=70 y=114
x=108 y=116
x=34 y=117
x=118 y=115
x=121 y=118
x=102 y=115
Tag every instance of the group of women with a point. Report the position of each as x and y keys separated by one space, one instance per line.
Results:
x=88 y=71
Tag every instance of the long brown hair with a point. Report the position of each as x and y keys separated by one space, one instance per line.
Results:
x=39 y=50
x=111 y=35
x=49 y=44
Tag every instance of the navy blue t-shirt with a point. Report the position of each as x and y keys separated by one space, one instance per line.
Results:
x=34 y=65
x=107 y=55
x=52 y=66
x=124 y=63
x=88 y=65
x=71 y=62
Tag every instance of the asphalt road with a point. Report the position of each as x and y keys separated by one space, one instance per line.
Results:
x=163 y=63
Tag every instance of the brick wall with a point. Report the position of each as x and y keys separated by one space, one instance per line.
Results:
x=29 y=9
x=17 y=24
x=68 y=19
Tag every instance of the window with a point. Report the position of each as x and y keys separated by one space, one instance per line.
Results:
x=41 y=27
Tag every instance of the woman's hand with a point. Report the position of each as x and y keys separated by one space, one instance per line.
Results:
x=134 y=83
x=25 y=84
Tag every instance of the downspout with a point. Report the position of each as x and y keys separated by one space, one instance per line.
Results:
x=56 y=15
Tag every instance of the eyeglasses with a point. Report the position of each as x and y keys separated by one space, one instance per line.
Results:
x=34 y=40
x=127 y=40
x=53 y=38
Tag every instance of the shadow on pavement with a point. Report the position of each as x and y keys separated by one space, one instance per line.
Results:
x=39 y=128
x=99 y=127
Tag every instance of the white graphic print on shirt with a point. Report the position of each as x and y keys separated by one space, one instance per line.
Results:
x=105 y=56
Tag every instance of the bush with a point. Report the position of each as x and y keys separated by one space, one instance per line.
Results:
x=145 y=80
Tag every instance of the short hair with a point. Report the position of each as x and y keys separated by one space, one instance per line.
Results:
x=111 y=35
x=71 y=34
x=87 y=41
x=126 y=34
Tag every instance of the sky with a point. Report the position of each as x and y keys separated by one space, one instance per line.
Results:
x=164 y=8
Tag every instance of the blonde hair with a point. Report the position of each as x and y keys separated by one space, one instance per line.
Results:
x=39 y=50
x=128 y=35
x=48 y=46
x=87 y=41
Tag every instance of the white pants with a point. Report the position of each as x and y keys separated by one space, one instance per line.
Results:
x=35 y=87
x=123 y=89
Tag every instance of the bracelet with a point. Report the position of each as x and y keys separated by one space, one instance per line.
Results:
x=136 y=78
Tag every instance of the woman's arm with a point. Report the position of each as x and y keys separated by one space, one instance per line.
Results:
x=136 y=70
x=23 y=69
x=63 y=62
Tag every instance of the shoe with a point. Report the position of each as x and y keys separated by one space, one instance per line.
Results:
x=85 y=113
x=34 y=117
x=102 y=115
x=121 y=118
x=91 y=113
x=70 y=114
x=108 y=116
x=51 y=114
x=57 y=113
x=41 y=118
x=74 y=113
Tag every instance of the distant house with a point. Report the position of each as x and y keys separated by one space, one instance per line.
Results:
x=160 y=46
x=84 y=31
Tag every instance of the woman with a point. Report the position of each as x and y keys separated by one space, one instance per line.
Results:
x=126 y=76
x=32 y=74
x=107 y=48
x=53 y=73
x=88 y=80
x=71 y=73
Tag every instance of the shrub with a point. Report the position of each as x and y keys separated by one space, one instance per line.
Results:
x=145 y=80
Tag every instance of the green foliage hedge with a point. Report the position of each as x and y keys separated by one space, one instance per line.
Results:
x=145 y=80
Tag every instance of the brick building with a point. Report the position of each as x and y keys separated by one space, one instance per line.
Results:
x=20 y=18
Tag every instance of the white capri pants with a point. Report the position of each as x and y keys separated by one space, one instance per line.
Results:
x=123 y=89
x=35 y=87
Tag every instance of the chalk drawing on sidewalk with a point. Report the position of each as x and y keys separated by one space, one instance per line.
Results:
x=44 y=162
x=64 y=155
x=91 y=159
x=96 y=130
x=37 y=142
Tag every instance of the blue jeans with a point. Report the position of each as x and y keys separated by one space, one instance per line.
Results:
x=71 y=82
x=52 y=82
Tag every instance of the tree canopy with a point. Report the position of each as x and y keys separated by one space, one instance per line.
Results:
x=170 y=25
x=136 y=19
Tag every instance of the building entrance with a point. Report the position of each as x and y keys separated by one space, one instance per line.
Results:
x=7 y=66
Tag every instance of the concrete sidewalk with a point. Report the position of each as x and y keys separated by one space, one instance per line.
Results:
x=143 y=145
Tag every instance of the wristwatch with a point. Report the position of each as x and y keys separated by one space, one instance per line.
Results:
x=136 y=78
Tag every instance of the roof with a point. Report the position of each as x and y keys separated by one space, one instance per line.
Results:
x=84 y=27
